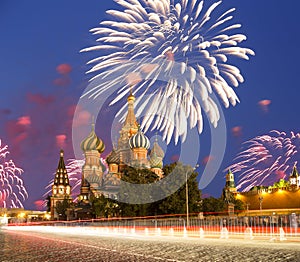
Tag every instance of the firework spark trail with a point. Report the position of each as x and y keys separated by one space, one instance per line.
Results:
x=12 y=190
x=175 y=49
x=74 y=170
x=266 y=157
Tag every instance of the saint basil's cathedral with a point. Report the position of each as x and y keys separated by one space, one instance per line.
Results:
x=133 y=149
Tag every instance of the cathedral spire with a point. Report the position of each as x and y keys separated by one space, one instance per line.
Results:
x=92 y=141
x=130 y=121
x=93 y=124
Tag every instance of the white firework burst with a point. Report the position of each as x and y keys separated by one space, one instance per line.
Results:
x=12 y=190
x=175 y=53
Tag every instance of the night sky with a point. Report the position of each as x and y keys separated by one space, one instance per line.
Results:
x=43 y=76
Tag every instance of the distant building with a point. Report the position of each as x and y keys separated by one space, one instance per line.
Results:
x=283 y=196
x=20 y=215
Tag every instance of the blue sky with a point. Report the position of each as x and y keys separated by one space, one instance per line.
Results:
x=38 y=98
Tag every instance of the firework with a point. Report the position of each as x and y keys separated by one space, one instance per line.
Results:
x=175 y=54
x=12 y=189
x=266 y=159
x=74 y=170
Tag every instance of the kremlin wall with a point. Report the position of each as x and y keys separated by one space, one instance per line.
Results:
x=283 y=197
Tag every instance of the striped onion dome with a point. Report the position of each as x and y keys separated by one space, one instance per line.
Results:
x=92 y=142
x=139 y=140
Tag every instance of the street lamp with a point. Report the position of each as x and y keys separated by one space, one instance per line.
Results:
x=260 y=202
x=187 y=196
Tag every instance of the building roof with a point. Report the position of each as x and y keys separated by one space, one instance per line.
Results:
x=130 y=120
x=92 y=142
x=61 y=175
x=157 y=150
x=139 y=140
x=113 y=157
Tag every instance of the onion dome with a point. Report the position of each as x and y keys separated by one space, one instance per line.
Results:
x=156 y=161
x=157 y=150
x=113 y=157
x=130 y=97
x=139 y=140
x=92 y=142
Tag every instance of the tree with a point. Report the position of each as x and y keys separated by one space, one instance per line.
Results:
x=98 y=206
x=136 y=176
x=239 y=205
x=213 y=205
x=281 y=183
x=175 y=203
x=61 y=208
x=172 y=185
x=105 y=207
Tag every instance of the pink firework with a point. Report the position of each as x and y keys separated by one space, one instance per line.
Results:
x=12 y=190
x=74 y=169
x=266 y=159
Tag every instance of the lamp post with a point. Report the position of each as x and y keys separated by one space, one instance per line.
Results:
x=260 y=202
x=187 y=197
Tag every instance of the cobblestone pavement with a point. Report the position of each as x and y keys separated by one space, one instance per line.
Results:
x=36 y=246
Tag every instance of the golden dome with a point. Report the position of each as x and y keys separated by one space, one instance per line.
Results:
x=131 y=97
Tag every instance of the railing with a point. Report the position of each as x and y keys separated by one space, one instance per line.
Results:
x=280 y=227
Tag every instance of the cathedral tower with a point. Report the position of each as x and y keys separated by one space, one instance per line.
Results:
x=139 y=144
x=92 y=170
x=129 y=128
x=156 y=159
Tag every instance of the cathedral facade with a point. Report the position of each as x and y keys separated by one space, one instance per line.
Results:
x=132 y=149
